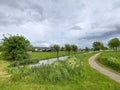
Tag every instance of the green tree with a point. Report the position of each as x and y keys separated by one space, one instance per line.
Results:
x=57 y=49
x=52 y=48
x=31 y=48
x=62 y=48
x=15 y=47
x=97 y=46
x=68 y=48
x=74 y=48
x=114 y=44
x=87 y=49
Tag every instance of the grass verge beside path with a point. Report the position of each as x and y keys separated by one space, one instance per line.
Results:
x=106 y=67
x=110 y=60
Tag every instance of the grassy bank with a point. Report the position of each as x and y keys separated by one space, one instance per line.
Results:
x=35 y=57
x=72 y=74
x=110 y=60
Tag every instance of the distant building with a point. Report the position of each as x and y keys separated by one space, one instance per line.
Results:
x=42 y=49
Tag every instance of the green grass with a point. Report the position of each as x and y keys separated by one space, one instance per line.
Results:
x=110 y=60
x=47 y=55
x=72 y=74
x=69 y=70
x=35 y=57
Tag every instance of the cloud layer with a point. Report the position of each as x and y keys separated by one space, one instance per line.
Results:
x=46 y=22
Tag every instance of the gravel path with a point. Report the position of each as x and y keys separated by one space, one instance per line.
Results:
x=102 y=70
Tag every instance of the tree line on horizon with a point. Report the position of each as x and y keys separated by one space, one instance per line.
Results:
x=67 y=47
x=113 y=44
x=16 y=47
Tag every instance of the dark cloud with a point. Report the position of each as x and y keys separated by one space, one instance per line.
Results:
x=103 y=36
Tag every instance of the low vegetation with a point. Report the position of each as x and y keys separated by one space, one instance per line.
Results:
x=111 y=60
x=58 y=72
x=72 y=74
x=35 y=57
x=23 y=62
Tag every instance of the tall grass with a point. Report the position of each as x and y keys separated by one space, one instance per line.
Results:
x=57 y=72
x=111 y=60
x=23 y=62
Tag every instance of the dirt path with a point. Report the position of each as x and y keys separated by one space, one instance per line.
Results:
x=102 y=70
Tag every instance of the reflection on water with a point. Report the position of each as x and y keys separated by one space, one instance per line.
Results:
x=48 y=61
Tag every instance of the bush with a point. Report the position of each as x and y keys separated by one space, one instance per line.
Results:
x=15 y=47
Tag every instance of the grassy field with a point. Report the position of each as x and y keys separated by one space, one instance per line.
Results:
x=110 y=60
x=47 y=55
x=72 y=74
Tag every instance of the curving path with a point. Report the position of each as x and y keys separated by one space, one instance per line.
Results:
x=102 y=70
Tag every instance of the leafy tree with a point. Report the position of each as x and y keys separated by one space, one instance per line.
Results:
x=52 y=48
x=68 y=48
x=15 y=47
x=114 y=44
x=74 y=48
x=87 y=49
x=57 y=49
x=31 y=48
x=62 y=48
x=105 y=48
x=97 y=46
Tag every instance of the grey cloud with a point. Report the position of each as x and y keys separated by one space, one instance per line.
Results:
x=38 y=10
x=116 y=5
x=46 y=22
x=76 y=28
x=103 y=36
x=10 y=3
x=19 y=12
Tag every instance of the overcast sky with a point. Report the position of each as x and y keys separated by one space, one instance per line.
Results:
x=46 y=22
